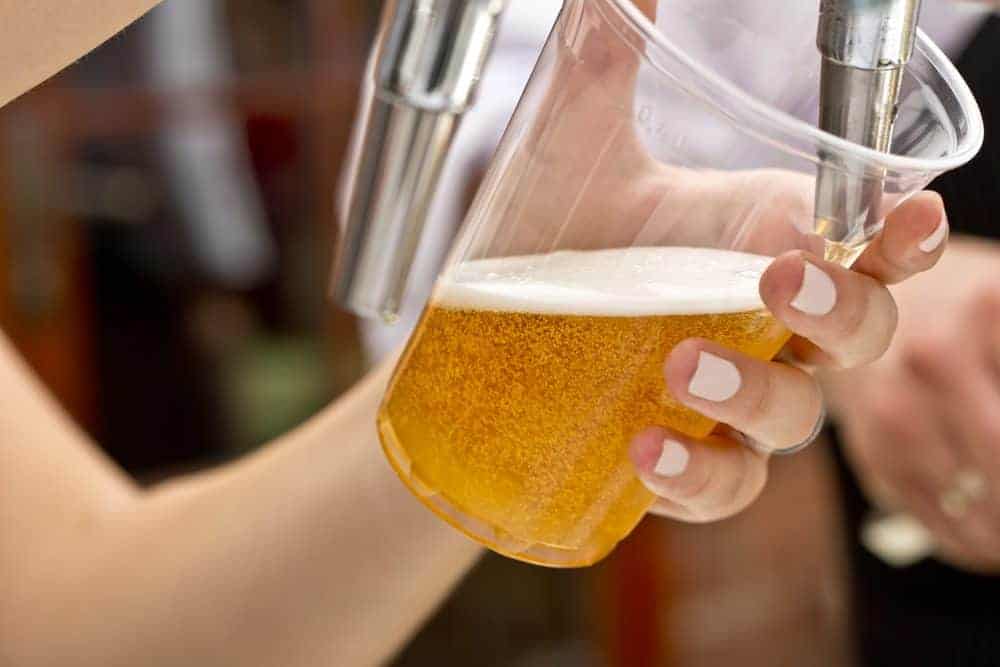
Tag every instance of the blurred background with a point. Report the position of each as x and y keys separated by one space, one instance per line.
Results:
x=166 y=234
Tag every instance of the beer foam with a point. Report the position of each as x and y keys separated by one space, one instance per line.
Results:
x=623 y=282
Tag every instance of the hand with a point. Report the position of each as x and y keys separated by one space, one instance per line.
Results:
x=843 y=319
x=581 y=154
x=922 y=427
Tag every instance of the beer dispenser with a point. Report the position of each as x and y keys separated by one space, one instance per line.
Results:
x=865 y=46
x=422 y=76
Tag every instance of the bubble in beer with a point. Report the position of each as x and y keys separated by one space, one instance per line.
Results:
x=512 y=410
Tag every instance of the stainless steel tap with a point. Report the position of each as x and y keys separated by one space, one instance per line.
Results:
x=865 y=46
x=422 y=77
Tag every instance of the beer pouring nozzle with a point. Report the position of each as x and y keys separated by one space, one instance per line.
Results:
x=422 y=76
x=865 y=46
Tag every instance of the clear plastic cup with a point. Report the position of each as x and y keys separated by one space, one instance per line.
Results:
x=651 y=172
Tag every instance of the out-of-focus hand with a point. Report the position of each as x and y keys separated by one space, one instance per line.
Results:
x=922 y=426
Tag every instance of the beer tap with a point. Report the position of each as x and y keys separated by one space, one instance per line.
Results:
x=865 y=47
x=422 y=77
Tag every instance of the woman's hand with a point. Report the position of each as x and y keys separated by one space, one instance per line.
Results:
x=583 y=164
x=921 y=428
x=842 y=318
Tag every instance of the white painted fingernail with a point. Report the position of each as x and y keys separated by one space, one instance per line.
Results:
x=818 y=294
x=716 y=379
x=937 y=237
x=674 y=459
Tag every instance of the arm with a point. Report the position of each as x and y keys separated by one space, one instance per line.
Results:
x=40 y=37
x=310 y=549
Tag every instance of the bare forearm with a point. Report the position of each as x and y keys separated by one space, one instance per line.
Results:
x=309 y=552
x=40 y=37
x=315 y=547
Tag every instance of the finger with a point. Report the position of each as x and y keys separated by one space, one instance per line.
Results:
x=982 y=321
x=993 y=351
x=903 y=438
x=609 y=176
x=851 y=316
x=966 y=390
x=776 y=405
x=804 y=353
x=913 y=240
x=969 y=403
x=698 y=480
x=917 y=459
x=883 y=470
x=981 y=528
x=921 y=504
x=967 y=541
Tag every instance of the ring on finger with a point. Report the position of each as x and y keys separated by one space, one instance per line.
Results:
x=968 y=487
x=794 y=449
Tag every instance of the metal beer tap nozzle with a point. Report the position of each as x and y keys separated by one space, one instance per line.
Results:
x=422 y=76
x=865 y=46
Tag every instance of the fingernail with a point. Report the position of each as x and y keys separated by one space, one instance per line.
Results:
x=674 y=459
x=716 y=379
x=937 y=237
x=818 y=294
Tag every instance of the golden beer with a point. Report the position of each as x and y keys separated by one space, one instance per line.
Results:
x=512 y=410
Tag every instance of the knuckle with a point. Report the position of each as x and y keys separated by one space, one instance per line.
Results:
x=878 y=348
x=761 y=403
x=927 y=355
x=854 y=316
x=669 y=509
x=732 y=494
x=748 y=487
x=695 y=488
x=811 y=406
x=607 y=59
x=986 y=303
x=894 y=268
x=991 y=433
x=895 y=271
x=893 y=414
x=784 y=413
x=869 y=325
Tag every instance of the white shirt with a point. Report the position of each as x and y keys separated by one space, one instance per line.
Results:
x=525 y=27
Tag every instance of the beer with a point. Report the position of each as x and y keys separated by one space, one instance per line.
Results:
x=512 y=410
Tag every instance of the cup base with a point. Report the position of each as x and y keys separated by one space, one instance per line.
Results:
x=485 y=533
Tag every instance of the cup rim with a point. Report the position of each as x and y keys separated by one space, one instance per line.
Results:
x=967 y=148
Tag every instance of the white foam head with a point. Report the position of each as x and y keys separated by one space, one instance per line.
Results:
x=626 y=282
